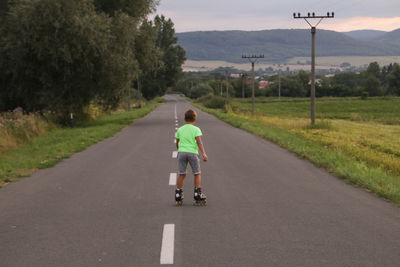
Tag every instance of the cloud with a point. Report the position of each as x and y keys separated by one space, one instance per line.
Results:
x=357 y=23
x=190 y=15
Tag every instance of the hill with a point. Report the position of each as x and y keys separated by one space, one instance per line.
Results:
x=280 y=45
x=391 y=37
x=366 y=35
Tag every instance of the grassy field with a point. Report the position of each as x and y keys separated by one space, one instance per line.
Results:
x=379 y=110
x=51 y=147
x=358 y=140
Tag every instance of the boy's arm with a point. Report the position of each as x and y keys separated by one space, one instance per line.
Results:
x=177 y=143
x=201 y=147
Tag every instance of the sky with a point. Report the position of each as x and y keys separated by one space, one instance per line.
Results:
x=204 y=15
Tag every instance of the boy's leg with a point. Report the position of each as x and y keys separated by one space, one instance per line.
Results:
x=182 y=165
x=179 y=183
x=197 y=180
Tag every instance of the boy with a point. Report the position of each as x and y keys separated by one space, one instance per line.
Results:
x=188 y=141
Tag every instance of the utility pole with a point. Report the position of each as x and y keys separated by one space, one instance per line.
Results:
x=313 y=32
x=227 y=83
x=244 y=75
x=253 y=59
x=279 y=86
x=227 y=73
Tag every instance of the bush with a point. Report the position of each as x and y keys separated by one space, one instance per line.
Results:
x=160 y=99
x=204 y=98
x=216 y=102
x=16 y=129
x=201 y=90
x=364 y=95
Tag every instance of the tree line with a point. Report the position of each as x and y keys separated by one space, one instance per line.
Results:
x=373 y=81
x=63 y=55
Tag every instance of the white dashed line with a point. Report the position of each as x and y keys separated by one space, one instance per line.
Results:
x=174 y=154
x=172 y=178
x=167 y=246
x=176 y=116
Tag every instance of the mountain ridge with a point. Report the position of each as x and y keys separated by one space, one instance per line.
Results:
x=282 y=44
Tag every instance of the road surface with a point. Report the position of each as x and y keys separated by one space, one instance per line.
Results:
x=112 y=205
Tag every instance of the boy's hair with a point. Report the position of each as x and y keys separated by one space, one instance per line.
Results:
x=190 y=115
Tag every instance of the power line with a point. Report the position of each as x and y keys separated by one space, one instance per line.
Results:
x=313 y=33
x=253 y=59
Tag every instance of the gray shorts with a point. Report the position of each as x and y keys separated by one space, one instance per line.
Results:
x=193 y=159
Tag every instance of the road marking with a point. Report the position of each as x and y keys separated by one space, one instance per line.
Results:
x=174 y=154
x=176 y=116
x=172 y=178
x=175 y=141
x=176 y=129
x=167 y=246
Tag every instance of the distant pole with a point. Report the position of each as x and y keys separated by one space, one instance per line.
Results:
x=313 y=33
x=252 y=87
x=72 y=119
x=227 y=84
x=253 y=59
x=243 y=82
x=279 y=87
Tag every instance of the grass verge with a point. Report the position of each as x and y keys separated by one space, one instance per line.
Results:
x=355 y=172
x=50 y=148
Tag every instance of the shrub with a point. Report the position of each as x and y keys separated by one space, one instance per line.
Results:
x=201 y=90
x=204 y=98
x=216 y=102
x=364 y=95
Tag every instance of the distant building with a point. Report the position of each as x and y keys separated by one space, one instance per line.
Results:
x=317 y=81
x=263 y=84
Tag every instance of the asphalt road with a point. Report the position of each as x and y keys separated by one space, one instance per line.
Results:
x=107 y=206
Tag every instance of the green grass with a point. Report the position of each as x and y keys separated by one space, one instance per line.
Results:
x=382 y=110
x=50 y=148
x=339 y=156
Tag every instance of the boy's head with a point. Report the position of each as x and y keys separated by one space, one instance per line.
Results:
x=190 y=116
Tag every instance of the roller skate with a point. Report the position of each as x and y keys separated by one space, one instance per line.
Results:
x=200 y=198
x=178 y=197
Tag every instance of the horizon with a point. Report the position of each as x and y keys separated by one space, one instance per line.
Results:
x=288 y=29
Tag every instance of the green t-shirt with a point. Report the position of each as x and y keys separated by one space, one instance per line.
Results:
x=187 y=138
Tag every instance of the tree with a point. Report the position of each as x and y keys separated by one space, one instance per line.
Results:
x=3 y=8
x=374 y=70
x=172 y=56
x=243 y=83
x=62 y=55
x=394 y=80
x=350 y=79
x=290 y=86
x=138 y=9
x=373 y=86
x=200 y=90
